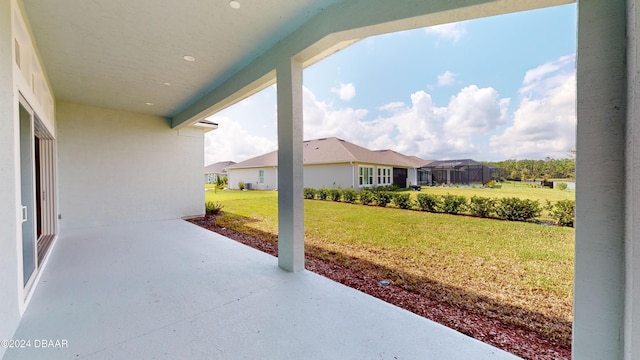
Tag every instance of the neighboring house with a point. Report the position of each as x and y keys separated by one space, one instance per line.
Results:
x=215 y=171
x=331 y=163
x=463 y=171
x=102 y=106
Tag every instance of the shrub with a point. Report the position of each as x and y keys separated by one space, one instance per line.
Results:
x=366 y=196
x=563 y=212
x=322 y=194
x=453 y=204
x=428 y=202
x=562 y=186
x=516 y=209
x=481 y=206
x=335 y=194
x=241 y=185
x=402 y=200
x=392 y=187
x=349 y=195
x=212 y=208
x=382 y=198
x=309 y=193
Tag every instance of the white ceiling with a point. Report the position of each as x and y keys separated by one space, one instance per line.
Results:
x=120 y=53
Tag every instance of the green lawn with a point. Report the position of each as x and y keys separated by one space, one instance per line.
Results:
x=522 y=265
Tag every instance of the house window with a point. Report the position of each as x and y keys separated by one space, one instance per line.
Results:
x=384 y=176
x=261 y=175
x=366 y=176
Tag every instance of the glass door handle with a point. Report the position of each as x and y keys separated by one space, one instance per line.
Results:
x=24 y=214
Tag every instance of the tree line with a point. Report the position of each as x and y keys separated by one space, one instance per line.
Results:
x=546 y=169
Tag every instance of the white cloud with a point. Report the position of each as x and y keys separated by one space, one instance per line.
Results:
x=543 y=125
x=345 y=92
x=446 y=78
x=322 y=120
x=421 y=128
x=545 y=122
x=231 y=141
x=548 y=76
x=392 y=106
x=475 y=111
x=452 y=31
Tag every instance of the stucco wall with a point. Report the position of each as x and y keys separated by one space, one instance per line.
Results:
x=632 y=194
x=252 y=176
x=315 y=176
x=120 y=167
x=329 y=176
x=9 y=311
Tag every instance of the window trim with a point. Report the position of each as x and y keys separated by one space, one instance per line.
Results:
x=365 y=173
x=384 y=175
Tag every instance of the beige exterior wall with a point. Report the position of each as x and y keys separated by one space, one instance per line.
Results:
x=21 y=73
x=252 y=176
x=330 y=176
x=9 y=307
x=120 y=167
x=316 y=176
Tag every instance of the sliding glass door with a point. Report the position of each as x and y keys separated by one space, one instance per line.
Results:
x=27 y=194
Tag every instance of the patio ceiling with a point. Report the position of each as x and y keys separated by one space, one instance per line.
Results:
x=120 y=53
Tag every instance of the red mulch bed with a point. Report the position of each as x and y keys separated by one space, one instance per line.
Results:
x=508 y=337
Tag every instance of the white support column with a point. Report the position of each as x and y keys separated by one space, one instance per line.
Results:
x=290 y=182
x=598 y=330
x=632 y=271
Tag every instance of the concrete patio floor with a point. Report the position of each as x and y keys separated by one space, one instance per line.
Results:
x=171 y=290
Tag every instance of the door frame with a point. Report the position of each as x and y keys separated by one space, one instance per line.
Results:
x=44 y=193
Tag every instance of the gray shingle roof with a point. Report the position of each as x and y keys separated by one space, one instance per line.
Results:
x=332 y=151
x=218 y=168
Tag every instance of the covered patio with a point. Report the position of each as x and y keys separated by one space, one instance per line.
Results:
x=110 y=99
x=172 y=290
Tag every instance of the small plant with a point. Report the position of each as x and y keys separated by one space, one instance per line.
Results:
x=382 y=198
x=428 y=202
x=212 y=208
x=453 y=204
x=349 y=196
x=322 y=194
x=490 y=184
x=335 y=194
x=563 y=212
x=481 y=206
x=562 y=186
x=366 y=196
x=309 y=193
x=402 y=200
x=241 y=185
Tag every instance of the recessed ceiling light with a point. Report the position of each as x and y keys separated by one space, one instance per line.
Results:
x=189 y=58
x=167 y=84
x=149 y=103
x=234 y=4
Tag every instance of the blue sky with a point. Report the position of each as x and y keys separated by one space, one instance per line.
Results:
x=489 y=89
